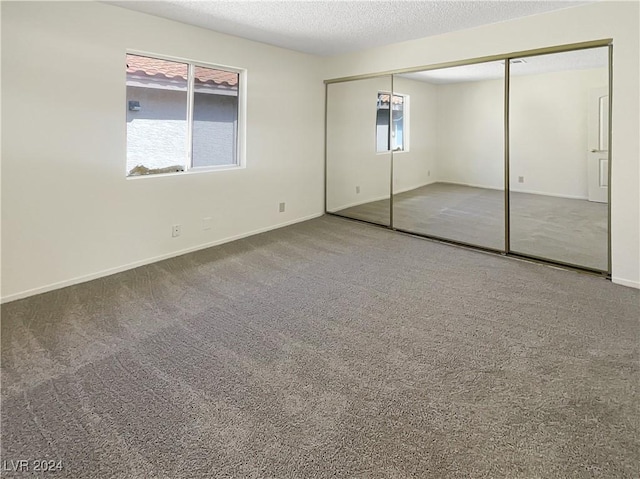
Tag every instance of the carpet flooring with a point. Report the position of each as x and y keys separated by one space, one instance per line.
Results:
x=561 y=229
x=329 y=348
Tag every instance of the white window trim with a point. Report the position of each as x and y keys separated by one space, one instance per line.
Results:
x=406 y=128
x=241 y=138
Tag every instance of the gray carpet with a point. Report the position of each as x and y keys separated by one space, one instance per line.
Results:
x=561 y=229
x=329 y=348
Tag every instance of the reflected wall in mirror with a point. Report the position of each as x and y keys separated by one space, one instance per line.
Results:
x=449 y=182
x=358 y=160
x=559 y=127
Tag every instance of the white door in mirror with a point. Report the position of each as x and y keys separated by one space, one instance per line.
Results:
x=598 y=155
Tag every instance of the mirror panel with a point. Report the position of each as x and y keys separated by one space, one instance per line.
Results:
x=449 y=179
x=357 y=147
x=559 y=160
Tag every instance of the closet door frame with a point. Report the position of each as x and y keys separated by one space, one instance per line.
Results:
x=373 y=138
x=608 y=42
x=590 y=45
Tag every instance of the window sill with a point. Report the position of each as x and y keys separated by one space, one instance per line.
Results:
x=189 y=172
x=390 y=151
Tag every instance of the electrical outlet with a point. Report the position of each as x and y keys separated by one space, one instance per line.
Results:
x=357 y=190
x=428 y=172
x=281 y=208
x=520 y=179
x=176 y=230
x=206 y=223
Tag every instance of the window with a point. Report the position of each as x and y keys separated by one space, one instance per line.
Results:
x=399 y=127
x=181 y=116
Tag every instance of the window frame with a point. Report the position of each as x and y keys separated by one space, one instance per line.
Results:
x=241 y=120
x=405 y=121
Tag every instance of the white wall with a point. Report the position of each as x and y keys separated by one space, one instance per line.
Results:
x=471 y=133
x=457 y=135
x=600 y=20
x=548 y=125
x=418 y=166
x=68 y=212
x=548 y=132
x=352 y=160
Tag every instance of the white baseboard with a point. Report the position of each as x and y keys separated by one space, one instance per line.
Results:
x=472 y=185
x=379 y=198
x=555 y=195
x=358 y=203
x=626 y=282
x=529 y=192
x=155 y=259
x=404 y=190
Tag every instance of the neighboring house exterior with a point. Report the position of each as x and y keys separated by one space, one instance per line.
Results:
x=157 y=123
x=382 y=123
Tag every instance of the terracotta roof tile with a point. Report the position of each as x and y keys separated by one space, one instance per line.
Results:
x=218 y=77
x=397 y=99
x=169 y=69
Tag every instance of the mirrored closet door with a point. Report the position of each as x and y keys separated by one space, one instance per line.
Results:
x=509 y=155
x=358 y=149
x=559 y=159
x=448 y=170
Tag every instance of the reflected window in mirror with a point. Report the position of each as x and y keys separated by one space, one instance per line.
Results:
x=399 y=126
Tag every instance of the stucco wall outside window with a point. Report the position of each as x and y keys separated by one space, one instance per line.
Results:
x=156 y=133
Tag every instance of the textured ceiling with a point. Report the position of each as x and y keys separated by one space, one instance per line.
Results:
x=574 y=60
x=335 y=27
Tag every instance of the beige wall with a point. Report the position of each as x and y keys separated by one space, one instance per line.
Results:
x=548 y=132
x=457 y=136
x=616 y=20
x=418 y=166
x=352 y=159
x=471 y=133
x=68 y=212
